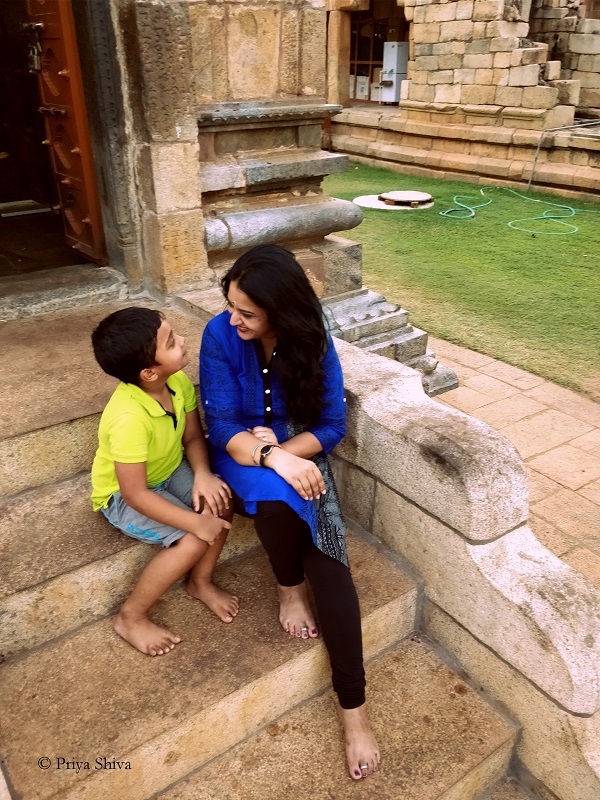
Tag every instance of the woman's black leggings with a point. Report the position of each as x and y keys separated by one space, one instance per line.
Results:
x=288 y=542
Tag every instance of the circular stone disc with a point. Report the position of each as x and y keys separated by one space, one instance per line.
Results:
x=373 y=201
x=407 y=197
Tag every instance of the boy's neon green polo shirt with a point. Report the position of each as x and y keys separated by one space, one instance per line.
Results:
x=134 y=427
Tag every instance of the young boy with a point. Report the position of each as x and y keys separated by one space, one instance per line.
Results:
x=142 y=483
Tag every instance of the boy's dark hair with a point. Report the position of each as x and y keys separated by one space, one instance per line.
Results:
x=125 y=342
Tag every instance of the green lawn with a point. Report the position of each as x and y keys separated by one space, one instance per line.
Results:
x=530 y=300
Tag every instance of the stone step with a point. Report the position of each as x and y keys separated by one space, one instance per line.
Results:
x=508 y=789
x=91 y=696
x=58 y=289
x=439 y=741
x=55 y=392
x=65 y=566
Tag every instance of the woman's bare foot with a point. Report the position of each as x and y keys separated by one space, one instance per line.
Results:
x=144 y=635
x=295 y=613
x=220 y=602
x=362 y=753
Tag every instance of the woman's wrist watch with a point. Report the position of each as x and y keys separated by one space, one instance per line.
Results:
x=265 y=451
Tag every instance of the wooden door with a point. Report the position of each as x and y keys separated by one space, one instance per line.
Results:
x=52 y=31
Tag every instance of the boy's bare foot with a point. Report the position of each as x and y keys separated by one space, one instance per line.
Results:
x=362 y=753
x=295 y=613
x=144 y=635
x=220 y=602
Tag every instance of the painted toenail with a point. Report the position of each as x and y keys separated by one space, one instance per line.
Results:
x=357 y=773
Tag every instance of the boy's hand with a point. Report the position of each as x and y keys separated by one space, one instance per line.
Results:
x=216 y=493
x=208 y=527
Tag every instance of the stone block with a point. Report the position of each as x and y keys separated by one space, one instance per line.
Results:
x=442 y=48
x=478 y=46
x=464 y=9
x=348 y=5
x=512 y=594
x=208 y=53
x=484 y=10
x=423 y=50
x=552 y=70
x=506 y=29
x=559 y=749
x=386 y=399
x=461 y=30
x=313 y=51
x=427 y=33
x=447 y=94
x=534 y=55
x=342 y=260
x=589 y=63
x=440 y=13
x=458 y=47
x=424 y=94
x=478 y=61
x=589 y=26
x=464 y=76
x=485 y=77
x=451 y=61
x=291 y=48
x=357 y=493
x=502 y=60
x=504 y=44
x=253 y=38
x=524 y=76
x=175 y=176
x=227 y=174
x=560 y=116
x=441 y=76
x=588 y=80
x=540 y=97
x=426 y=62
x=175 y=249
x=509 y=96
x=478 y=95
x=501 y=77
x=169 y=107
x=479 y=30
x=585 y=43
x=589 y=98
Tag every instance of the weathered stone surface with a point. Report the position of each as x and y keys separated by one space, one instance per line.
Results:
x=586 y=43
x=456 y=467
x=524 y=76
x=343 y=264
x=338 y=57
x=559 y=749
x=506 y=593
x=253 y=38
x=161 y=714
x=313 y=53
x=175 y=176
x=208 y=52
x=440 y=741
x=175 y=250
x=248 y=228
x=164 y=52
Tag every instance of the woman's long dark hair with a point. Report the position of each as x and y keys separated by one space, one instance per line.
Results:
x=276 y=283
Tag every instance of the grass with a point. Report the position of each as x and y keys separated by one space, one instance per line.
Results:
x=531 y=300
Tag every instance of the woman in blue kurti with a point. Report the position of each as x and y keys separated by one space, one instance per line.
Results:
x=273 y=398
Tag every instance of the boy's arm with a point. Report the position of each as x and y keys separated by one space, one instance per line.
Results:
x=215 y=492
x=134 y=490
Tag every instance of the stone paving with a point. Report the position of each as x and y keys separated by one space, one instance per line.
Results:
x=557 y=433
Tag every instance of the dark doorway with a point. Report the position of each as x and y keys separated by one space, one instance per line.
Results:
x=32 y=235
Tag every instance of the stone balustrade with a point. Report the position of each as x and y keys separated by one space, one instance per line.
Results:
x=449 y=495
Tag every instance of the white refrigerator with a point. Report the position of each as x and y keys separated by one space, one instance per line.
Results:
x=395 y=63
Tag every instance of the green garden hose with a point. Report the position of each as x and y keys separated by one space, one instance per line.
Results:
x=464 y=208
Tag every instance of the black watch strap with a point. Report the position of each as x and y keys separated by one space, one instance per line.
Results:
x=265 y=451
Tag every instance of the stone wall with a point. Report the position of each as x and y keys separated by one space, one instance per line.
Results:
x=449 y=495
x=575 y=42
x=472 y=62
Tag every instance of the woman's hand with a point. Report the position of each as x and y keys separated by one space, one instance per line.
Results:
x=303 y=475
x=266 y=435
x=216 y=493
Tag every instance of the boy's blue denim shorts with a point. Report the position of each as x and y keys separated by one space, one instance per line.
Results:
x=177 y=489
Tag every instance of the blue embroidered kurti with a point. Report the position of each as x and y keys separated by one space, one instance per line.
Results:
x=238 y=392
